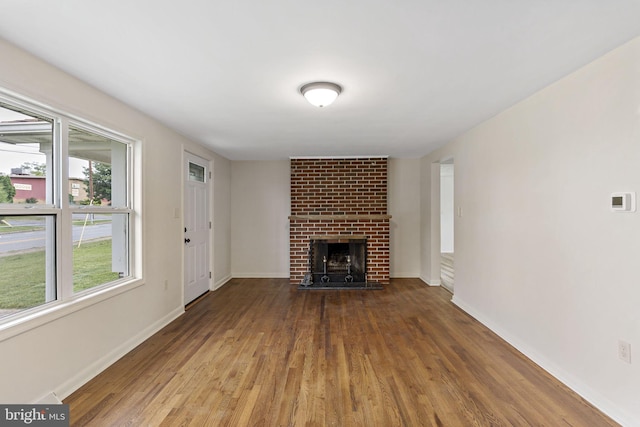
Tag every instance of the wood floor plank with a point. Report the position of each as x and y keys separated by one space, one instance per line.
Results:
x=262 y=353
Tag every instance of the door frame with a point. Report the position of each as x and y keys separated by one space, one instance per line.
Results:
x=435 y=243
x=448 y=161
x=207 y=163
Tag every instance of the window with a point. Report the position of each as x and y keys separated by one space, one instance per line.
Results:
x=26 y=243
x=66 y=208
x=196 y=172
x=101 y=219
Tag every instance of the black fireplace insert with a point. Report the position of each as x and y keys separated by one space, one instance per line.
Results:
x=338 y=262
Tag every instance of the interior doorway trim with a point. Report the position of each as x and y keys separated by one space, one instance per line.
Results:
x=433 y=259
x=435 y=227
x=447 y=223
x=197 y=227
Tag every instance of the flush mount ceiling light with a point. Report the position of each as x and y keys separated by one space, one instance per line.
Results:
x=320 y=94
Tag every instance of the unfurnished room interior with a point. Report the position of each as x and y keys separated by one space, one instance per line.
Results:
x=413 y=213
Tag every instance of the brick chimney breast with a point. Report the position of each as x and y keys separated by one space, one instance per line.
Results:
x=339 y=197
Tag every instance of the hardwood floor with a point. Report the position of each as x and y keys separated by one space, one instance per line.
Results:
x=261 y=353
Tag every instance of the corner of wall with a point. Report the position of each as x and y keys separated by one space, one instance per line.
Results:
x=88 y=372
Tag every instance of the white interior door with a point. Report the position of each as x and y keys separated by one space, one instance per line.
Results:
x=197 y=275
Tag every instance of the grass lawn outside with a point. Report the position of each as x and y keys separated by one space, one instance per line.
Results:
x=5 y=229
x=22 y=282
x=17 y=224
x=92 y=265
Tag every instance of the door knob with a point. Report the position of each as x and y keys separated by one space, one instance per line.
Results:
x=187 y=240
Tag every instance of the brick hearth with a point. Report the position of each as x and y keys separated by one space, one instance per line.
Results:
x=339 y=197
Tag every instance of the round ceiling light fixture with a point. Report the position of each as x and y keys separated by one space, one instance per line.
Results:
x=320 y=94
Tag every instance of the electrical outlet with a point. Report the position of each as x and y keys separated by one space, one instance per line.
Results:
x=166 y=284
x=624 y=351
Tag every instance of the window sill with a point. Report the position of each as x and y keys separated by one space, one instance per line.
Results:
x=36 y=317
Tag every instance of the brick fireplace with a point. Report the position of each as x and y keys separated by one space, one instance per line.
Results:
x=339 y=199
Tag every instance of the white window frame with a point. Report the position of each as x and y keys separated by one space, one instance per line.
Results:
x=96 y=209
x=67 y=301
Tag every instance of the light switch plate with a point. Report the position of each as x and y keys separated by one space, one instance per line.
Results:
x=623 y=202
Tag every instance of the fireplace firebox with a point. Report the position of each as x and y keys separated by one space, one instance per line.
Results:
x=337 y=262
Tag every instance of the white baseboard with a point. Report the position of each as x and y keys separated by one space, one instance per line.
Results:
x=430 y=283
x=49 y=399
x=89 y=372
x=403 y=276
x=261 y=275
x=593 y=397
x=220 y=283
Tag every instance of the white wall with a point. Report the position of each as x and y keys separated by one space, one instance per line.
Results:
x=540 y=258
x=404 y=208
x=62 y=354
x=221 y=221
x=260 y=209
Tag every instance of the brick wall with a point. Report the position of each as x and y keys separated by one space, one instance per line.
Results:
x=338 y=186
x=340 y=197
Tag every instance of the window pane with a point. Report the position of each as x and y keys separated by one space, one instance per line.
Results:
x=97 y=170
x=196 y=172
x=27 y=262
x=100 y=249
x=26 y=142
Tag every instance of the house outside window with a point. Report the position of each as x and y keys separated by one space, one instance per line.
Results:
x=67 y=212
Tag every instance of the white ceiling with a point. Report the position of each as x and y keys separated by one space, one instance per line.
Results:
x=415 y=74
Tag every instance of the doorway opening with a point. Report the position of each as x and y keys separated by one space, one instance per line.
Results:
x=197 y=227
x=447 y=215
